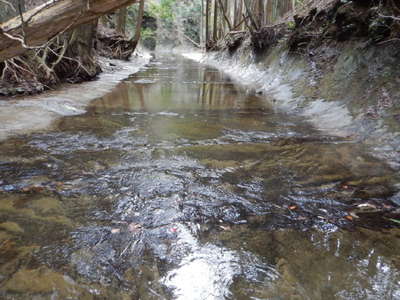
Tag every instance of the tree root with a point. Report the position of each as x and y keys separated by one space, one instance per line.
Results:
x=113 y=45
x=40 y=69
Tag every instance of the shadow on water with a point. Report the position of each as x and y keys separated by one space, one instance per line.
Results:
x=179 y=184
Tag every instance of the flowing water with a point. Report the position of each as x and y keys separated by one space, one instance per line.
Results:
x=180 y=184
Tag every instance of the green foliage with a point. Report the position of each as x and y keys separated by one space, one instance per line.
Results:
x=148 y=33
x=190 y=13
x=163 y=10
x=299 y=2
x=177 y=17
x=149 y=37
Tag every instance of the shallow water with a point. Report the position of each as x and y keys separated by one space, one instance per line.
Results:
x=180 y=184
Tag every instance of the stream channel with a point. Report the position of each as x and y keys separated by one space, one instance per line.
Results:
x=181 y=184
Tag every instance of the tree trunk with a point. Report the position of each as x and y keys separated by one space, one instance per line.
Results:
x=260 y=12
x=207 y=23
x=250 y=14
x=45 y=22
x=121 y=20
x=270 y=11
x=241 y=13
x=224 y=13
x=202 y=24
x=215 y=27
x=80 y=48
x=139 y=22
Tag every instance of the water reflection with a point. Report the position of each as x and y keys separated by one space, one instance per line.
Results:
x=180 y=185
x=181 y=89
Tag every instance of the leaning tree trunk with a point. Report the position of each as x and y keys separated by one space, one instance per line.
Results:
x=45 y=22
x=139 y=22
x=66 y=53
x=118 y=47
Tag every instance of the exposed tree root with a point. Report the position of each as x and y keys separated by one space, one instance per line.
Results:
x=69 y=57
x=66 y=59
x=265 y=38
x=372 y=22
x=113 y=45
x=375 y=21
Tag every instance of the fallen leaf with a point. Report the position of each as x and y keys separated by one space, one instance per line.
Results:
x=293 y=207
x=350 y=218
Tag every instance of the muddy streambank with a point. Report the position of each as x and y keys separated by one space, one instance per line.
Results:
x=28 y=114
x=337 y=67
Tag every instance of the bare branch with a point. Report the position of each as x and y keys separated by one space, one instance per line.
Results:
x=390 y=17
x=225 y=15
x=388 y=41
x=190 y=40
x=250 y=14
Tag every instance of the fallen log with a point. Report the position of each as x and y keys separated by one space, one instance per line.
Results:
x=37 y=26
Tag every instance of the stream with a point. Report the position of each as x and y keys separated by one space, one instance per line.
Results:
x=182 y=184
